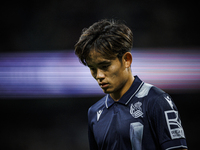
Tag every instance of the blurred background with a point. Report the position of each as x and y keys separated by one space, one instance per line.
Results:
x=45 y=92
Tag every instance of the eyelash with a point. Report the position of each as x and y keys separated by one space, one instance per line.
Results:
x=105 y=67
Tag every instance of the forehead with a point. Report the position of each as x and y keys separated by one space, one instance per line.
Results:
x=95 y=58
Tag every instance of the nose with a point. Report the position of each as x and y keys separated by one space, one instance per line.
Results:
x=100 y=74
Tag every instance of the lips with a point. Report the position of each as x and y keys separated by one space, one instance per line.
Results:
x=103 y=85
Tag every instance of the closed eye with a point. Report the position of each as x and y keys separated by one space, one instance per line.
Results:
x=104 y=67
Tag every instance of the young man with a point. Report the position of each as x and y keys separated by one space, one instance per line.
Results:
x=133 y=115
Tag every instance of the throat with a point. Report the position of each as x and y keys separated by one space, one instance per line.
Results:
x=117 y=95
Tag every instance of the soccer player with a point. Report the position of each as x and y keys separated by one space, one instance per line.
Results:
x=133 y=115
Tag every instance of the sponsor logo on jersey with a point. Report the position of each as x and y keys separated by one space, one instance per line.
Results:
x=136 y=110
x=174 y=124
x=99 y=114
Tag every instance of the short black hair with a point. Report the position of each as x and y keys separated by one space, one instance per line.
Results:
x=111 y=38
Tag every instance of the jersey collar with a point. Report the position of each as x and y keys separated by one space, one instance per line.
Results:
x=136 y=85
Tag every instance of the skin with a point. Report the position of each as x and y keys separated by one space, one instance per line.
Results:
x=113 y=76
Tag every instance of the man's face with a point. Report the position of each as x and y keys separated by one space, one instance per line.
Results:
x=110 y=74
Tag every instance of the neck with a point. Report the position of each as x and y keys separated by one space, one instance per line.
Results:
x=119 y=93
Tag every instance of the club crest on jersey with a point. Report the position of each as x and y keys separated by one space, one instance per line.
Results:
x=136 y=110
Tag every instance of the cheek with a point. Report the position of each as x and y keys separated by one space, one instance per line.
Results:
x=118 y=76
x=115 y=74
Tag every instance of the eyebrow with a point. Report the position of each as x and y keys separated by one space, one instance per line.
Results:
x=104 y=62
x=101 y=63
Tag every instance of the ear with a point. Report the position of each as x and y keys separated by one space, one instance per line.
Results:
x=127 y=59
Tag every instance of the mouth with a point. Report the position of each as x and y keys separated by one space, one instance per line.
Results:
x=103 y=85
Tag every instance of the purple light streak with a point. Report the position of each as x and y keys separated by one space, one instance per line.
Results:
x=60 y=74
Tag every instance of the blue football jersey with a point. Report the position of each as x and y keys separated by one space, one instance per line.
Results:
x=145 y=118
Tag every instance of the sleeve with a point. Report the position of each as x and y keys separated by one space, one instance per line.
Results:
x=92 y=141
x=166 y=123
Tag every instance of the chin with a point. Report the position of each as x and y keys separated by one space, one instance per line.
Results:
x=107 y=91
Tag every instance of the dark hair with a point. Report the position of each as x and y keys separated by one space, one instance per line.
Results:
x=110 y=38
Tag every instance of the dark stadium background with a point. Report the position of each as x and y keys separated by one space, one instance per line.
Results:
x=60 y=123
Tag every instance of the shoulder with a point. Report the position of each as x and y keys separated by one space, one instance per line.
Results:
x=158 y=103
x=160 y=99
x=149 y=92
x=155 y=97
